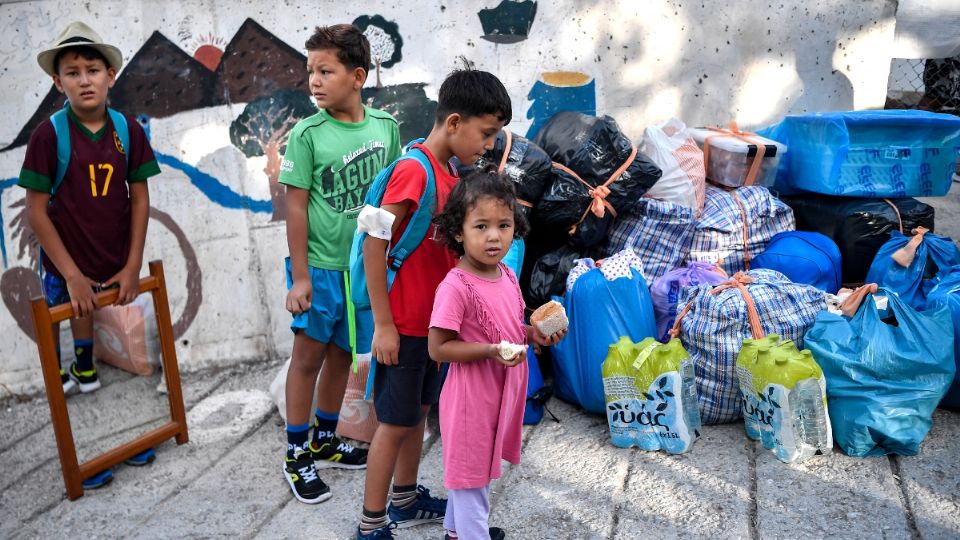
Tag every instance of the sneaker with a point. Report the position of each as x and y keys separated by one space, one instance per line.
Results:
x=98 y=480
x=86 y=380
x=67 y=382
x=301 y=474
x=425 y=509
x=383 y=533
x=338 y=455
x=496 y=533
x=143 y=458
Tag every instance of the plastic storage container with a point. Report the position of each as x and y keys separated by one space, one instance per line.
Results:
x=729 y=157
x=895 y=153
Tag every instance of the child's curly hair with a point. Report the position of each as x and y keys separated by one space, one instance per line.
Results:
x=473 y=186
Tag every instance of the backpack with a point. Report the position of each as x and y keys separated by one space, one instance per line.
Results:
x=414 y=233
x=61 y=129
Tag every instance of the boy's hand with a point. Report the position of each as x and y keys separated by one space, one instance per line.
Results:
x=300 y=296
x=541 y=340
x=82 y=297
x=386 y=344
x=128 y=280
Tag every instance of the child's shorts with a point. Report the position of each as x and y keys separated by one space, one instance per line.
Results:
x=326 y=321
x=399 y=391
x=55 y=290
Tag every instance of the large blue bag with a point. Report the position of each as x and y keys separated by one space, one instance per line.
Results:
x=537 y=392
x=915 y=281
x=600 y=311
x=804 y=257
x=883 y=380
x=947 y=293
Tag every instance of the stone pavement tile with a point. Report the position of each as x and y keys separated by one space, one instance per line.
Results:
x=704 y=493
x=828 y=495
x=931 y=479
x=568 y=484
x=120 y=508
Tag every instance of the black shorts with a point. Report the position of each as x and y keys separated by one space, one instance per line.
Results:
x=400 y=391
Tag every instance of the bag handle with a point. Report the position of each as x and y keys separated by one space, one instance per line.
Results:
x=897 y=212
x=508 y=144
x=851 y=304
x=739 y=281
x=599 y=193
x=744 y=136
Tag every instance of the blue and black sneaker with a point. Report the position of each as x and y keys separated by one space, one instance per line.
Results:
x=496 y=533
x=98 y=480
x=426 y=509
x=143 y=458
x=383 y=533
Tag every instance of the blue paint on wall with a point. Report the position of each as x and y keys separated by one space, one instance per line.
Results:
x=4 y=184
x=548 y=100
x=216 y=191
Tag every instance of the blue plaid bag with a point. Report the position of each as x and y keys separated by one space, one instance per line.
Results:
x=719 y=233
x=659 y=232
x=713 y=326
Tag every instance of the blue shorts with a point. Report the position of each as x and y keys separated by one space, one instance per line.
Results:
x=326 y=321
x=55 y=290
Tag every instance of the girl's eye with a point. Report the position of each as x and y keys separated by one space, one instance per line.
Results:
x=481 y=226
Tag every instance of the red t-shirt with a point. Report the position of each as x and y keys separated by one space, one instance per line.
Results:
x=415 y=285
x=91 y=208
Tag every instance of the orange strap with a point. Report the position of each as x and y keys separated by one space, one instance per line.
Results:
x=739 y=280
x=851 y=304
x=743 y=136
x=522 y=202
x=508 y=143
x=599 y=206
x=746 y=230
x=897 y=212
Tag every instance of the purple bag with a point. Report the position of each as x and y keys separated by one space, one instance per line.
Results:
x=666 y=291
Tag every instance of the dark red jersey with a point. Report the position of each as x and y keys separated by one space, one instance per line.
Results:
x=91 y=207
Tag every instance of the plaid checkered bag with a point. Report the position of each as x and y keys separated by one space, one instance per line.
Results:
x=720 y=231
x=714 y=321
x=659 y=232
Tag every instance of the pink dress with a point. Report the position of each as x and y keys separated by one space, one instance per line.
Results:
x=482 y=402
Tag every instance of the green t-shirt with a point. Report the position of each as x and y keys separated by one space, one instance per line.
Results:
x=337 y=161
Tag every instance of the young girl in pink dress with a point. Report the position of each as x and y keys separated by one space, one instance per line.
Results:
x=478 y=307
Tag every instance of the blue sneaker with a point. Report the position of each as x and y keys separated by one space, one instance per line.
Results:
x=98 y=480
x=143 y=458
x=425 y=509
x=383 y=533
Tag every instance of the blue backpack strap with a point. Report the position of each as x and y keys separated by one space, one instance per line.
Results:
x=61 y=128
x=123 y=132
x=419 y=222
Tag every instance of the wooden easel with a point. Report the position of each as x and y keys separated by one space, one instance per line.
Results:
x=43 y=319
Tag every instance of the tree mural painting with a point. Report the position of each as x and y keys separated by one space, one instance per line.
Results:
x=409 y=105
x=262 y=129
x=385 y=41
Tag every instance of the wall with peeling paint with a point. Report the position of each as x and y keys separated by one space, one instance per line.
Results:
x=198 y=71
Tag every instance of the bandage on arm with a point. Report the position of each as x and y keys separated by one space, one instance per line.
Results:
x=376 y=222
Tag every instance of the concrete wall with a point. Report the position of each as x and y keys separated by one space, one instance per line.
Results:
x=198 y=69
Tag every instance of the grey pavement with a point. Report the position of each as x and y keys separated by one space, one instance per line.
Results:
x=571 y=483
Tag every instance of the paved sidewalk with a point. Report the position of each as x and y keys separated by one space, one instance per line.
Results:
x=572 y=483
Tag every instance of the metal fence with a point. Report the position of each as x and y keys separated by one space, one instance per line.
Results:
x=932 y=85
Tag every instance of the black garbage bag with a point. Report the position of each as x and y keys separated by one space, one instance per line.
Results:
x=859 y=226
x=527 y=164
x=548 y=276
x=562 y=206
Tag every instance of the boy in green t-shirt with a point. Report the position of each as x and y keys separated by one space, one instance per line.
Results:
x=331 y=159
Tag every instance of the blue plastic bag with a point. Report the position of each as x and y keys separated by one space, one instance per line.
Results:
x=600 y=311
x=804 y=257
x=883 y=380
x=915 y=281
x=537 y=393
x=947 y=293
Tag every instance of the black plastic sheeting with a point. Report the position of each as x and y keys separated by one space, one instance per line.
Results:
x=528 y=166
x=859 y=226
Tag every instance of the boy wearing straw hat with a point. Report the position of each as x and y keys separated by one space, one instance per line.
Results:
x=89 y=207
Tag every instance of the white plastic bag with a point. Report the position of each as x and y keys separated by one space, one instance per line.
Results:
x=671 y=148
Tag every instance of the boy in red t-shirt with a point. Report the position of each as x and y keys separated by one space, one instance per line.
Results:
x=473 y=106
x=92 y=227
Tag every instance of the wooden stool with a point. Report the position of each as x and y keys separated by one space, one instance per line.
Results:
x=43 y=319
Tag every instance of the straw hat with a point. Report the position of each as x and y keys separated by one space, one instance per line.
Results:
x=74 y=35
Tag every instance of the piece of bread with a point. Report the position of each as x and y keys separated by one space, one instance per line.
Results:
x=550 y=318
x=509 y=351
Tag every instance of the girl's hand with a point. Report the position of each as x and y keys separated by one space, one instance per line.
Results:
x=129 y=283
x=386 y=344
x=540 y=340
x=299 y=297
x=82 y=297
x=517 y=359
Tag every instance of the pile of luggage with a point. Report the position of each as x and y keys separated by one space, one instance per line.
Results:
x=716 y=266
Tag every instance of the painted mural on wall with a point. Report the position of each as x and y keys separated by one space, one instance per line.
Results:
x=509 y=22
x=557 y=91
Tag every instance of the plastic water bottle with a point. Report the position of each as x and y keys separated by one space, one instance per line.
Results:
x=691 y=411
x=809 y=415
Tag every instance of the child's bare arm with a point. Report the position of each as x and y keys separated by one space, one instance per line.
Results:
x=300 y=295
x=386 y=339
x=443 y=346
x=128 y=278
x=79 y=286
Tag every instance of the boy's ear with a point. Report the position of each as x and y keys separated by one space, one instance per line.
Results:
x=112 y=73
x=359 y=77
x=56 y=82
x=452 y=123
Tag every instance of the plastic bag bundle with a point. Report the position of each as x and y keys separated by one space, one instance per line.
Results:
x=600 y=312
x=886 y=373
x=911 y=266
x=651 y=396
x=736 y=226
x=523 y=162
x=714 y=321
x=947 y=293
x=660 y=232
x=126 y=336
x=667 y=289
x=598 y=174
x=548 y=275
x=784 y=398
x=671 y=148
